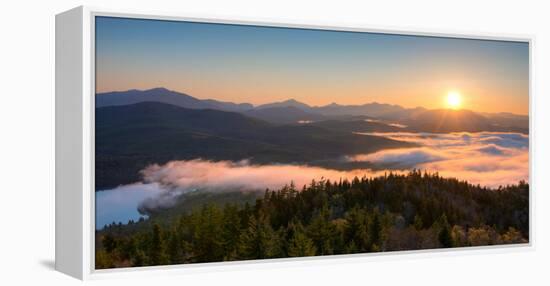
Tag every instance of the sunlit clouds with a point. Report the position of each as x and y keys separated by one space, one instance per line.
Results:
x=486 y=158
x=241 y=176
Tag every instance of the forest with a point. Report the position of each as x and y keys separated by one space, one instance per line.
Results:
x=418 y=210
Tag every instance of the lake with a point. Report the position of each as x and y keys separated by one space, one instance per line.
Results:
x=120 y=204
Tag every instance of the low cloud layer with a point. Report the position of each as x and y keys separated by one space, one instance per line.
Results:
x=178 y=177
x=489 y=159
x=239 y=176
x=486 y=158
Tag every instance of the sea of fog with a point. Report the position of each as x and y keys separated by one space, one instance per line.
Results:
x=487 y=158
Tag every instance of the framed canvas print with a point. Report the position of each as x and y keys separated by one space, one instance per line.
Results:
x=187 y=141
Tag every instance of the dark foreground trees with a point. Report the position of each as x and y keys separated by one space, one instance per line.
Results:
x=393 y=212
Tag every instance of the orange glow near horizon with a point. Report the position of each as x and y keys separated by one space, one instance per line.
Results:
x=409 y=96
x=260 y=65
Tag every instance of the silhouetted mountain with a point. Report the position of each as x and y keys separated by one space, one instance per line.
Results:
x=292 y=111
x=164 y=95
x=287 y=103
x=228 y=106
x=508 y=119
x=131 y=137
x=371 y=109
x=446 y=120
x=284 y=115
x=403 y=114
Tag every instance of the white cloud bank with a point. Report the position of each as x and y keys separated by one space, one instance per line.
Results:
x=489 y=159
x=486 y=158
x=240 y=176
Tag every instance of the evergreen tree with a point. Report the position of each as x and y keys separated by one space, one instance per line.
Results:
x=109 y=243
x=231 y=229
x=259 y=240
x=444 y=235
x=322 y=232
x=355 y=231
x=175 y=248
x=208 y=241
x=128 y=249
x=326 y=218
x=375 y=231
x=300 y=245
x=139 y=259
x=157 y=250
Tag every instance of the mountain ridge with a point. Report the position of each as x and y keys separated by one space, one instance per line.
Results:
x=165 y=95
x=292 y=111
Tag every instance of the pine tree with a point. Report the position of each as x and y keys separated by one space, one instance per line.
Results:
x=208 y=241
x=139 y=259
x=322 y=232
x=231 y=229
x=355 y=230
x=109 y=243
x=259 y=240
x=325 y=218
x=444 y=235
x=175 y=248
x=128 y=249
x=375 y=231
x=157 y=251
x=300 y=245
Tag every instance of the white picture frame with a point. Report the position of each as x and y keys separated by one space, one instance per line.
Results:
x=74 y=213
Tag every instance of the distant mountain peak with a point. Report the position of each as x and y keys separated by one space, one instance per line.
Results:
x=292 y=100
x=158 y=89
x=164 y=95
x=376 y=103
x=161 y=90
x=287 y=103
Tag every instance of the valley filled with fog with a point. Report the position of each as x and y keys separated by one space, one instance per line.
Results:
x=241 y=148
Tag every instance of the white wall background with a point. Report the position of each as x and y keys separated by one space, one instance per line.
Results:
x=27 y=141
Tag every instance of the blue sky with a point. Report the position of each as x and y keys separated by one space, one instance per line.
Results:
x=265 y=64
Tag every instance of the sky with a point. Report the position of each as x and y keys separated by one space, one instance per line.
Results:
x=260 y=65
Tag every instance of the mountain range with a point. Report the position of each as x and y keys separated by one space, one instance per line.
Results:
x=164 y=95
x=134 y=129
x=291 y=111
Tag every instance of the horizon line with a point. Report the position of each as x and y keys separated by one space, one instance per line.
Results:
x=309 y=105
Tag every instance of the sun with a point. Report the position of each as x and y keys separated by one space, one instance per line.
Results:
x=454 y=100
